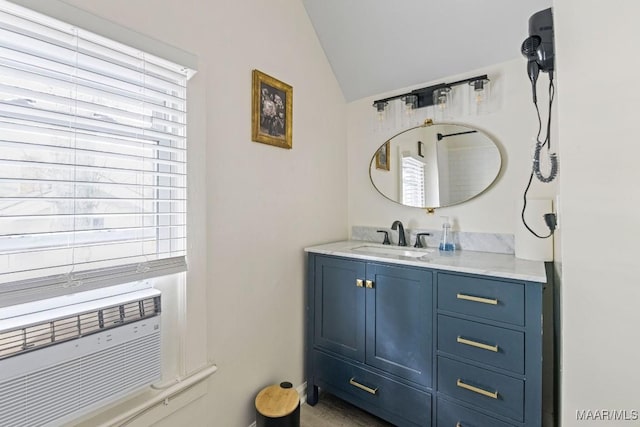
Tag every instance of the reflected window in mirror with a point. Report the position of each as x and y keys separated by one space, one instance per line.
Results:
x=412 y=181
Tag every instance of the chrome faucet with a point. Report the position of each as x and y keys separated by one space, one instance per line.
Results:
x=397 y=225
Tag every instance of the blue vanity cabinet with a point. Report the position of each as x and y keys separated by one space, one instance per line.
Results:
x=489 y=351
x=370 y=325
x=421 y=346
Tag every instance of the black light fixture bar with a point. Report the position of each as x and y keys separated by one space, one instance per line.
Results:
x=425 y=95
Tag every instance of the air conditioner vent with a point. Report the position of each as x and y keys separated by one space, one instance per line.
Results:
x=57 y=330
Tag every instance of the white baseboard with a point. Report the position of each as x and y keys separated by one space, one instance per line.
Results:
x=302 y=392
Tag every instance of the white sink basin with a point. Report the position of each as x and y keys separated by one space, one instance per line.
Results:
x=393 y=250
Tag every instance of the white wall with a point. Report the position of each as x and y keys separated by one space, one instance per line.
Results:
x=598 y=117
x=512 y=125
x=256 y=205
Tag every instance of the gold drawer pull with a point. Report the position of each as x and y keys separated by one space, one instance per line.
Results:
x=363 y=387
x=493 y=348
x=369 y=284
x=359 y=283
x=491 y=394
x=477 y=299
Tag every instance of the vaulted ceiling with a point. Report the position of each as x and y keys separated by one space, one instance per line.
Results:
x=376 y=46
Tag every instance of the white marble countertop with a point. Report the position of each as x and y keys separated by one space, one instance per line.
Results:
x=483 y=263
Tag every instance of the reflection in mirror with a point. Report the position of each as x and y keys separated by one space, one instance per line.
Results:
x=437 y=165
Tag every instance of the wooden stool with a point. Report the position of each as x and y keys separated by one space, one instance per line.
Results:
x=278 y=406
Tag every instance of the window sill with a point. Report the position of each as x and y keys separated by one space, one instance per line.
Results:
x=153 y=404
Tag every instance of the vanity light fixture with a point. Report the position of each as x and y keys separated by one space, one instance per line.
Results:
x=442 y=103
x=409 y=109
x=479 y=95
x=410 y=103
x=439 y=94
x=380 y=107
x=382 y=112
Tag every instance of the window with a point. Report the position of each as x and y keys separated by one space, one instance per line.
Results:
x=412 y=182
x=92 y=158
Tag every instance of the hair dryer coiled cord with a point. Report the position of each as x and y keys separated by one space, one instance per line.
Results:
x=553 y=158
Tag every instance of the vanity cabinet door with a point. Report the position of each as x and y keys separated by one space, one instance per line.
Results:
x=399 y=322
x=339 y=302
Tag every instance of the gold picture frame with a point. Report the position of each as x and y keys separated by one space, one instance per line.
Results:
x=382 y=157
x=272 y=111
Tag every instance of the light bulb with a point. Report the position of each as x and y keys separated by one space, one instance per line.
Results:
x=442 y=102
x=479 y=96
x=409 y=109
x=381 y=115
x=410 y=103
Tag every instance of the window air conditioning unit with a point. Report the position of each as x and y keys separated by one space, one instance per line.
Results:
x=58 y=364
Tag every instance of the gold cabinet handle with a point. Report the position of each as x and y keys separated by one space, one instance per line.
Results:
x=477 y=344
x=477 y=299
x=359 y=283
x=369 y=284
x=353 y=382
x=491 y=394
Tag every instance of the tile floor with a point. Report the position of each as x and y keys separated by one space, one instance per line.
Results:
x=333 y=412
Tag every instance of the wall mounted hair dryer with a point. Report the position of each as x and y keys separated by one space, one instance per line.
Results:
x=538 y=47
x=539 y=51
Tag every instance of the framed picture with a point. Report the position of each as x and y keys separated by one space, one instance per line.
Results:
x=271 y=112
x=382 y=157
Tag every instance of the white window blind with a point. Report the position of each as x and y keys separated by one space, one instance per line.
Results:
x=412 y=182
x=92 y=157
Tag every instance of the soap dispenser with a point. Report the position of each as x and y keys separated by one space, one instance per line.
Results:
x=446 y=243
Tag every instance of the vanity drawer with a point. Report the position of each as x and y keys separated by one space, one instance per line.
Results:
x=403 y=401
x=482 y=297
x=495 y=346
x=453 y=415
x=495 y=392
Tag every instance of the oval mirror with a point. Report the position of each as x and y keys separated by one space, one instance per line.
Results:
x=435 y=165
